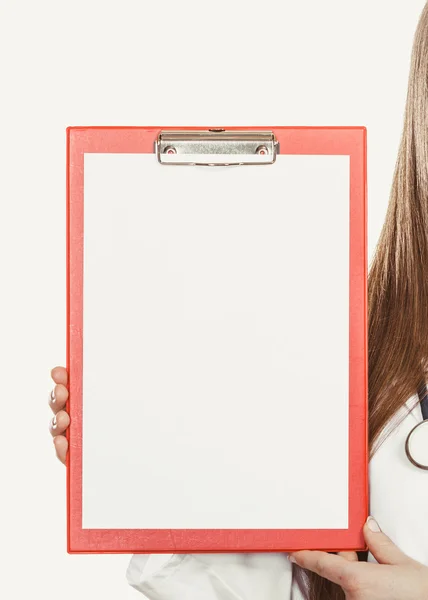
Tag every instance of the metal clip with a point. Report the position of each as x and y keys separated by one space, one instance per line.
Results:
x=216 y=147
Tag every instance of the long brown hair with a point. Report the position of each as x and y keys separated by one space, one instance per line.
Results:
x=398 y=280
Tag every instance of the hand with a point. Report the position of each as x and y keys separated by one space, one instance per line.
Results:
x=60 y=421
x=396 y=577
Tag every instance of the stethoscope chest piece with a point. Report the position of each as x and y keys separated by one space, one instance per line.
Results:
x=417 y=445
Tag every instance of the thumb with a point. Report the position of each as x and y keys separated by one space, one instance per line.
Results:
x=380 y=545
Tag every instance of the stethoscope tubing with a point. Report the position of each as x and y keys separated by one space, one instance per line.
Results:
x=423 y=424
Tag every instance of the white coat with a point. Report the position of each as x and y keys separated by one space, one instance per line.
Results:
x=398 y=501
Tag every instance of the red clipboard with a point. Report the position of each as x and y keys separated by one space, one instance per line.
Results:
x=84 y=142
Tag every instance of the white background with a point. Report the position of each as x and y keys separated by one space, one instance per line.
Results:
x=86 y=62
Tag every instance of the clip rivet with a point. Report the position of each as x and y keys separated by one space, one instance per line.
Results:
x=170 y=150
x=262 y=150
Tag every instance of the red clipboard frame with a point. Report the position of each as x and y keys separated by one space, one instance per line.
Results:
x=350 y=141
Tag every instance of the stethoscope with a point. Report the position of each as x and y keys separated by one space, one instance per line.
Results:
x=417 y=440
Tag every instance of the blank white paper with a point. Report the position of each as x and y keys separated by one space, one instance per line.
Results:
x=216 y=344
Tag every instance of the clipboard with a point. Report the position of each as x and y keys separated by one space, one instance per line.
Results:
x=216 y=339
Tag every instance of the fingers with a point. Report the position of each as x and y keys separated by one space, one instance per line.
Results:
x=57 y=401
x=61 y=447
x=331 y=566
x=59 y=423
x=59 y=375
x=351 y=556
x=380 y=545
x=58 y=398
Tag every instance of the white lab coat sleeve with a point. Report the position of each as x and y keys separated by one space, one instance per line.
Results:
x=215 y=577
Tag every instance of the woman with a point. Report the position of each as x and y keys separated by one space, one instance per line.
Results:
x=396 y=567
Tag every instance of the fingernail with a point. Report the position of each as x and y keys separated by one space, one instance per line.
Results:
x=52 y=396
x=291 y=558
x=54 y=423
x=373 y=524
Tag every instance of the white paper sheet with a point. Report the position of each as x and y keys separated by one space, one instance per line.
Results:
x=216 y=334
